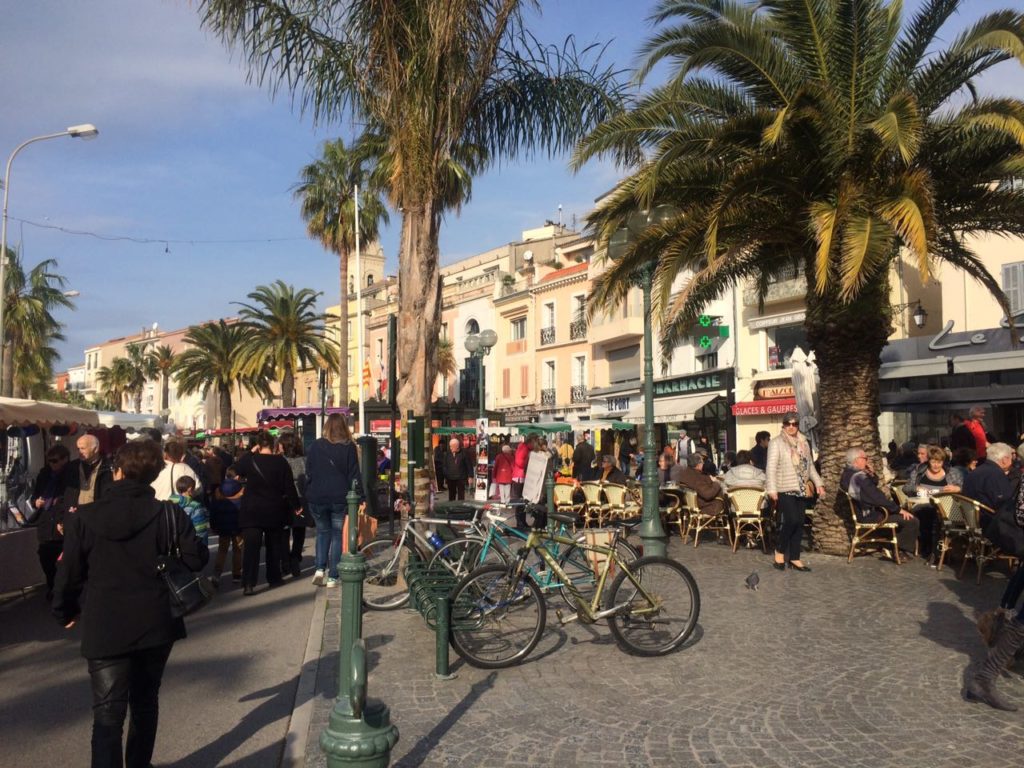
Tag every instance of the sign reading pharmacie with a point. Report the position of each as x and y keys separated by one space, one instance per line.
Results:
x=715 y=380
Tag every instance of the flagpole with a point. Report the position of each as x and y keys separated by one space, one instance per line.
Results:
x=361 y=425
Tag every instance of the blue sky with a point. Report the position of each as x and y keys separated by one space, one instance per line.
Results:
x=189 y=153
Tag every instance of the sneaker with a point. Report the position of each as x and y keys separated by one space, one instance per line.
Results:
x=331 y=582
x=318 y=578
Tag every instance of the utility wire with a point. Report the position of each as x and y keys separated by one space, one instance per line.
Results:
x=147 y=240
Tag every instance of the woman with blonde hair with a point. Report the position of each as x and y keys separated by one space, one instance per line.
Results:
x=332 y=466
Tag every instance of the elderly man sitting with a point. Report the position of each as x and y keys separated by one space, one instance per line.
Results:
x=743 y=473
x=708 y=490
x=989 y=482
x=860 y=482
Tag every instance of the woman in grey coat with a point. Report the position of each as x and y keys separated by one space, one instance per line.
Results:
x=790 y=482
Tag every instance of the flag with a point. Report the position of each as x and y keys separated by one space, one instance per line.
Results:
x=367 y=378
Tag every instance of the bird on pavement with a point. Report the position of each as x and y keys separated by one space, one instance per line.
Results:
x=752 y=581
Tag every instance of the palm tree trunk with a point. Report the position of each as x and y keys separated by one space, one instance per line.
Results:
x=343 y=371
x=847 y=340
x=138 y=401
x=7 y=375
x=165 y=391
x=419 y=320
x=224 y=406
x=288 y=389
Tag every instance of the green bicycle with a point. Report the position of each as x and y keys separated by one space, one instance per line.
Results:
x=499 y=613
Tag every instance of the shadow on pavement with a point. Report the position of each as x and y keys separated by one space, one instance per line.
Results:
x=420 y=751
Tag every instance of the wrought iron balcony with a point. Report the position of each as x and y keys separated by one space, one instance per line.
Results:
x=578 y=329
x=578 y=393
x=547 y=396
x=547 y=335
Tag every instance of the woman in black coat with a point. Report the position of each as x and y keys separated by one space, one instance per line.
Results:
x=127 y=627
x=268 y=506
x=48 y=498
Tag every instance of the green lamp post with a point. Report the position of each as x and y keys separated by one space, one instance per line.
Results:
x=479 y=346
x=358 y=733
x=652 y=533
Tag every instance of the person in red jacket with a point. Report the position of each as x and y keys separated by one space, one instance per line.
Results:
x=976 y=425
x=504 y=463
x=522 y=458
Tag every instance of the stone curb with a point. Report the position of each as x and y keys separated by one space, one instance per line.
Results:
x=305 y=692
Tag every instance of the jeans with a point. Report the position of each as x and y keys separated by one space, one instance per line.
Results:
x=330 y=519
x=120 y=683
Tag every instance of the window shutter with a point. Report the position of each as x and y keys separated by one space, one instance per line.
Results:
x=506 y=383
x=1013 y=285
x=524 y=380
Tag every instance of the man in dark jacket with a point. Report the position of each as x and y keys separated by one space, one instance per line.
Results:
x=456 y=468
x=90 y=475
x=989 y=482
x=708 y=491
x=860 y=481
x=582 y=457
x=48 y=499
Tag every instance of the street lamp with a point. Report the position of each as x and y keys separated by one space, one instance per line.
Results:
x=84 y=131
x=479 y=346
x=651 y=531
x=920 y=315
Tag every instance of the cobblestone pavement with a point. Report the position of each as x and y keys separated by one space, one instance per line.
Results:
x=851 y=665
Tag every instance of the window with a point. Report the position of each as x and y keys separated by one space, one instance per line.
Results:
x=444 y=331
x=549 y=374
x=369 y=280
x=1013 y=285
x=708 y=362
x=524 y=380
x=624 y=364
x=309 y=395
x=518 y=329
x=549 y=315
x=782 y=340
x=472 y=327
x=579 y=371
x=579 y=307
x=380 y=349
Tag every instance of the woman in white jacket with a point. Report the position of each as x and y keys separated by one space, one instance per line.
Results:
x=791 y=478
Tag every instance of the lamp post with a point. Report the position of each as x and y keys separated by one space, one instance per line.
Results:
x=920 y=315
x=84 y=131
x=479 y=346
x=652 y=533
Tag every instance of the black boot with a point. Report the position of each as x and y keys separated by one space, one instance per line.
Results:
x=982 y=685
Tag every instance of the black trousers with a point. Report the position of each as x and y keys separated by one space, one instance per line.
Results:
x=253 y=540
x=456 y=489
x=293 y=539
x=122 y=685
x=49 y=552
x=792 y=514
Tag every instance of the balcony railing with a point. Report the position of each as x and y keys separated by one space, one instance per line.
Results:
x=547 y=396
x=547 y=335
x=578 y=393
x=578 y=330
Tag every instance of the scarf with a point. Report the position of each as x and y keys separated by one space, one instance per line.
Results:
x=800 y=456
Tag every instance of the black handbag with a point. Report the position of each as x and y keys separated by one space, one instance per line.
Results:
x=189 y=591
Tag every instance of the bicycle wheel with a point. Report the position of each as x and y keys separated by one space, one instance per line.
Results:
x=584 y=567
x=385 y=588
x=496 y=619
x=655 y=626
x=463 y=555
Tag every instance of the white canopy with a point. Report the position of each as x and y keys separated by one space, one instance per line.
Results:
x=15 y=412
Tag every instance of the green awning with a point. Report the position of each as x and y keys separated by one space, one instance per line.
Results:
x=454 y=430
x=544 y=429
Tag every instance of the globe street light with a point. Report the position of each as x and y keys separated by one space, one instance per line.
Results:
x=84 y=131
x=652 y=533
x=479 y=346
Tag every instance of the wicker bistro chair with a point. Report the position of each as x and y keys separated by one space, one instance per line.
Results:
x=881 y=533
x=899 y=495
x=747 y=505
x=564 y=501
x=675 y=511
x=961 y=521
x=593 y=505
x=619 y=503
x=701 y=521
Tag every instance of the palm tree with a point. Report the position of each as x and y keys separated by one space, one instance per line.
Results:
x=829 y=138
x=445 y=363
x=284 y=333
x=30 y=299
x=215 y=359
x=328 y=208
x=437 y=80
x=114 y=382
x=162 y=359
x=142 y=368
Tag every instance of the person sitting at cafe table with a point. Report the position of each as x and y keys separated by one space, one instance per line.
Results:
x=609 y=472
x=859 y=480
x=989 y=482
x=928 y=478
x=743 y=473
x=708 y=491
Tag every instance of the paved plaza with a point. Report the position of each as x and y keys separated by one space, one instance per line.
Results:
x=851 y=665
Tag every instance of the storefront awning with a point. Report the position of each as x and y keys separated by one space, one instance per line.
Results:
x=297 y=412
x=15 y=412
x=932 y=366
x=672 y=409
x=1000 y=361
x=765 y=407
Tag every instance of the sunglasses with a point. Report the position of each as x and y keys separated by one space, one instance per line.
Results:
x=53 y=462
x=791 y=423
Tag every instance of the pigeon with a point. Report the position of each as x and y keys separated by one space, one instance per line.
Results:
x=752 y=581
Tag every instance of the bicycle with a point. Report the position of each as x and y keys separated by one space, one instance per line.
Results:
x=385 y=588
x=463 y=554
x=499 y=613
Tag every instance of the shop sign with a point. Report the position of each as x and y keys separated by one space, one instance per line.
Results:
x=383 y=426
x=773 y=390
x=617 y=404
x=937 y=344
x=760 y=323
x=683 y=384
x=764 y=407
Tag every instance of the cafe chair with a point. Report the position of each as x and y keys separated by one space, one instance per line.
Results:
x=881 y=533
x=704 y=521
x=900 y=496
x=620 y=504
x=564 y=501
x=961 y=522
x=675 y=511
x=593 y=505
x=747 y=505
